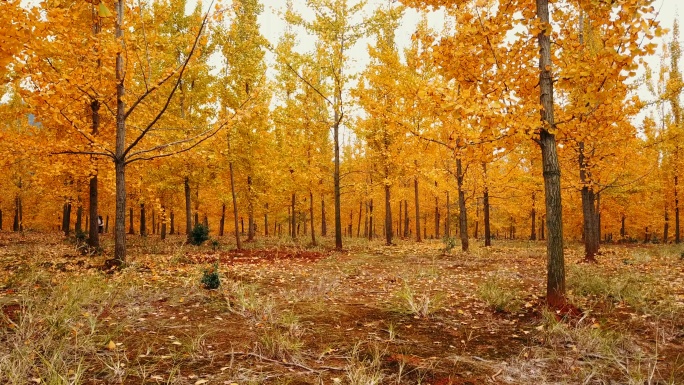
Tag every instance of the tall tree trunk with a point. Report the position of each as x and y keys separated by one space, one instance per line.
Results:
x=188 y=207
x=266 y=221
x=238 y=242
x=417 y=204
x=0 y=219
x=358 y=227
x=401 y=219
x=436 y=214
x=676 y=196
x=163 y=223
x=462 y=213
x=66 y=219
x=542 y=228
x=370 y=220
x=173 y=223
x=94 y=235
x=388 y=216
x=120 y=156
x=406 y=219
x=555 y=284
x=365 y=221
x=336 y=177
x=250 y=210
x=143 y=221
x=447 y=222
x=591 y=235
x=324 y=227
x=533 y=217
x=622 y=227
x=486 y=210
x=154 y=223
x=311 y=215
x=15 y=225
x=131 y=229
x=293 y=218
x=79 y=217
x=477 y=218
x=106 y=229
x=666 y=226
x=222 y=223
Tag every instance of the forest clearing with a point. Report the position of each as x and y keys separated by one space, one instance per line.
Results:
x=372 y=314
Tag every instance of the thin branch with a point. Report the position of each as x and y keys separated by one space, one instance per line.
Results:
x=173 y=91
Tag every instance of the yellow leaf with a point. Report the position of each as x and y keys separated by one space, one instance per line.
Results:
x=103 y=11
x=111 y=345
x=200 y=382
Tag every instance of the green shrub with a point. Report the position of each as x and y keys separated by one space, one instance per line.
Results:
x=449 y=244
x=210 y=278
x=199 y=234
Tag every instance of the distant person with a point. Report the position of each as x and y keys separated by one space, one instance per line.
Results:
x=100 y=224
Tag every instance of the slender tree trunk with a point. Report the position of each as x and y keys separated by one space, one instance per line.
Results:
x=324 y=227
x=406 y=220
x=447 y=222
x=238 y=243
x=533 y=217
x=666 y=226
x=622 y=227
x=555 y=285
x=676 y=196
x=417 y=204
x=154 y=223
x=436 y=214
x=106 y=229
x=188 y=207
x=79 y=217
x=388 y=216
x=143 y=221
x=120 y=156
x=401 y=219
x=173 y=223
x=336 y=177
x=163 y=223
x=266 y=221
x=250 y=210
x=358 y=227
x=311 y=215
x=591 y=236
x=294 y=217
x=66 y=219
x=93 y=235
x=131 y=230
x=463 y=214
x=370 y=220
x=222 y=223
x=15 y=225
x=365 y=221
x=486 y=210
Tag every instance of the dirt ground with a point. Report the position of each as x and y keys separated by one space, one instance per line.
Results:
x=372 y=314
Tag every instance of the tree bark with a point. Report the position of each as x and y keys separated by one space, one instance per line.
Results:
x=555 y=284
x=222 y=223
x=188 y=207
x=336 y=177
x=666 y=226
x=417 y=204
x=311 y=219
x=119 y=157
x=407 y=222
x=370 y=220
x=79 y=217
x=462 y=213
x=66 y=219
x=293 y=218
x=324 y=227
x=388 y=216
x=173 y=223
x=485 y=210
x=266 y=221
x=591 y=235
x=163 y=223
x=238 y=242
x=250 y=210
x=143 y=221
x=533 y=217
x=447 y=222
x=131 y=229
x=94 y=234
x=358 y=227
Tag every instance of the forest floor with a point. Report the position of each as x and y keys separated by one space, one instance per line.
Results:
x=285 y=314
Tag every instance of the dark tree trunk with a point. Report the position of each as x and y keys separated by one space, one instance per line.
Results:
x=106 y=229
x=324 y=227
x=358 y=227
x=622 y=227
x=250 y=210
x=591 y=234
x=293 y=218
x=365 y=221
x=533 y=217
x=676 y=196
x=417 y=204
x=462 y=213
x=238 y=242
x=173 y=223
x=222 y=223
x=15 y=225
x=119 y=154
x=93 y=234
x=370 y=220
x=555 y=284
x=79 y=218
x=266 y=221
x=311 y=215
x=542 y=228
x=447 y=222
x=143 y=221
x=163 y=223
x=336 y=177
x=154 y=223
x=666 y=226
x=485 y=211
x=131 y=229
x=66 y=219
x=196 y=216
x=401 y=218
x=388 y=216
x=436 y=214
x=188 y=207
x=406 y=220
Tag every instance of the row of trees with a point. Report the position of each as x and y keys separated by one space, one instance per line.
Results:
x=455 y=134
